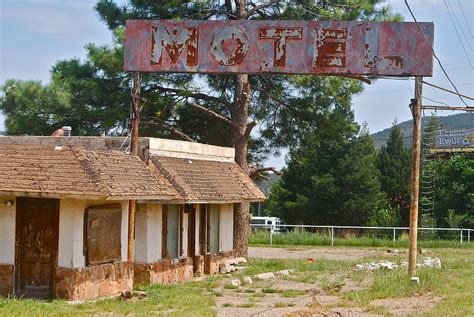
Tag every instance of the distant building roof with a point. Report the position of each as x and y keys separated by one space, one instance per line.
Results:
x=75 y=171
x=201 y=180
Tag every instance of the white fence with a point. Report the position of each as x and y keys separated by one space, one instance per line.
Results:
x=458 y=234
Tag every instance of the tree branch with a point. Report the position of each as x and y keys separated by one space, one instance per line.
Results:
x=189 y=94
x=212 y=113
x=171 y=129
x=250 y=12
x=254 y=171
x=249 y=128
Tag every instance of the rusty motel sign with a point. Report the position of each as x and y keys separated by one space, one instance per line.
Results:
x=288 y=47
x=340 y=48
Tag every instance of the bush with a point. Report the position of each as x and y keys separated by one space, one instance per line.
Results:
x=385 y=217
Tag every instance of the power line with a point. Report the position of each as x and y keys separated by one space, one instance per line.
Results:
x=447 y=90
x=459 y=24
x=457 y=32
x=404 y=90
x=433 y=100
x=434 y=53
x=465 y=19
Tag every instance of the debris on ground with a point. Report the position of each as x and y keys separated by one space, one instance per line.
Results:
x=395 y=251
x=265 y=276
x=431 y=262
x=248 y=280
x=232 y=265
x=234 y=283
x=383 y=264
x=132 y=296
x=283 y=272
x=310 y=260
x=427 y=263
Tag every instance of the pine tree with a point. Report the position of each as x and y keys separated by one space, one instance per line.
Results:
x=331 y=180
x=394 y=163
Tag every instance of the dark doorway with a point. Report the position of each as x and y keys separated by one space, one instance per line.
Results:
x=37 y=227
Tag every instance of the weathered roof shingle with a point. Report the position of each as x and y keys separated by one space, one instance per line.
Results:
x=207 y=180
x=75 y=171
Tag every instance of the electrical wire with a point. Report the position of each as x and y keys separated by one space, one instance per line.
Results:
x=434 y=53
x=459 y=24
x=457 y=33
x=465 y=19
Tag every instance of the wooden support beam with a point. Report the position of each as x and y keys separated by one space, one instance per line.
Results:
x=135 y=121
x=416 y=105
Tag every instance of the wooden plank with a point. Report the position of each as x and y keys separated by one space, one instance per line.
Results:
x=36 y=247
x=103 y=234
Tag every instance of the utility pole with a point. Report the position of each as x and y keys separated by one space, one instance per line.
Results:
x=135 y=123
x=416 y=109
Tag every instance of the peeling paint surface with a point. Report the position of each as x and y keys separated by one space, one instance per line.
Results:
x=288 y=47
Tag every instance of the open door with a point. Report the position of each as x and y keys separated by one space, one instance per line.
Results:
x=37 y=232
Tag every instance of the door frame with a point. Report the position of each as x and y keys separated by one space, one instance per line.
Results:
x=19 y=223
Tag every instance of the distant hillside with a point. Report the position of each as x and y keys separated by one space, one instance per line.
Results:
x=455 y=121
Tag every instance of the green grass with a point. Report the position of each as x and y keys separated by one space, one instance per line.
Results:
x=292 y=293
x=191 y=298
x=453 y=284
x=262 y=238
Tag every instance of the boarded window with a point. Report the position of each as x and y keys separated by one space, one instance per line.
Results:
x=103 y=234
x=173 y=231
x=214 y=229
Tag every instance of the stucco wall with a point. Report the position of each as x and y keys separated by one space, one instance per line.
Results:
x=226 y=227
x=148 y=233
x=7 y=231
x=71 y=231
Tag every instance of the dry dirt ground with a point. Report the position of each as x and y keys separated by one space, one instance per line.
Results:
x=300 y=294
x=338 y=253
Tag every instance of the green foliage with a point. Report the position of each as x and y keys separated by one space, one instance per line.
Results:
x=394 y=163
x=454 y=191
x=384 y=217
x=332 y=175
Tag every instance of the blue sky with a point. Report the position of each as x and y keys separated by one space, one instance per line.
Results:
x=34 y=34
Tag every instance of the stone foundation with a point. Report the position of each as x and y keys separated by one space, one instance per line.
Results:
x=94 y=281
x=7 y=279
x=163 y=271
x=213 y=261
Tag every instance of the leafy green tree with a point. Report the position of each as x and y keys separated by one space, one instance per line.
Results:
x=454 y=191
x=394 y=163
x=220 y=109
x=330 y=180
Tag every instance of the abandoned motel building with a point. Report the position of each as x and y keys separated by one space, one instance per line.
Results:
x=64 y=213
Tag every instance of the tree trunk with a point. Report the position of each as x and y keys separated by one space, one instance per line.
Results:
x=239 y=114
x=239 y=134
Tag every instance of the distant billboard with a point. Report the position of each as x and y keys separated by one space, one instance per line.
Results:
x=448 y=139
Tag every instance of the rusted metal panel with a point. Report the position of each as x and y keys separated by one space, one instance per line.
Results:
x=292 y=47
x=460 y=138
x=103 y=234
x=37 y=232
